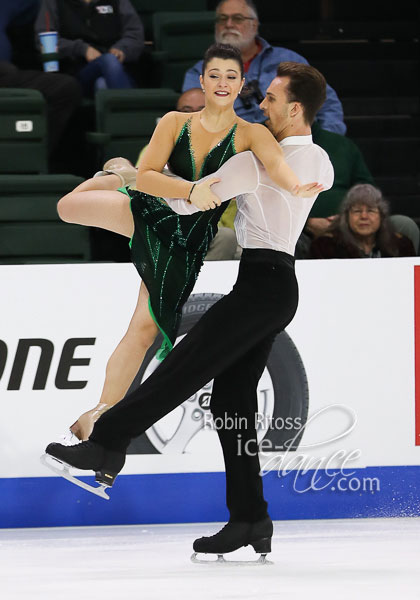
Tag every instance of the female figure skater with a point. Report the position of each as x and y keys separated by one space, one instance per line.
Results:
x=167 y=249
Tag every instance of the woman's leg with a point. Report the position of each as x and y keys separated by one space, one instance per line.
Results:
x=97 y=203
x=123 y=364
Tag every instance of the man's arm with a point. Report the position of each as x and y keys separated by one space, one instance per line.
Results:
x=238 y=175
x=47 y=20
x=132 y=40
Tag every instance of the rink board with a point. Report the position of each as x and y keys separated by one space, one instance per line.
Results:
x=355 y=331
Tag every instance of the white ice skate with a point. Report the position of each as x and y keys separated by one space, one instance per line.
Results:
x=63 y=469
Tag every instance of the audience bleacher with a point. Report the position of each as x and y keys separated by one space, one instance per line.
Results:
x=368 y=51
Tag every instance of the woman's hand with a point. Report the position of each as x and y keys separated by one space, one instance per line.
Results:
x=202 y=197
x=308 y=190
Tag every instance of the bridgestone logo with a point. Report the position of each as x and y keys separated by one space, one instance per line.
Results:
x=45 y=351
x=204 y=400
x=197 y=308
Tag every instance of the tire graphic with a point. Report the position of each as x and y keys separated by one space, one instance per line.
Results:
x=283 y=396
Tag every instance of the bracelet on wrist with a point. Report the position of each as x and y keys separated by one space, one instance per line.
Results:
x=191 y=191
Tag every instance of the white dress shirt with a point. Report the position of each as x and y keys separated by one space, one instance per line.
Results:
x=268 y=216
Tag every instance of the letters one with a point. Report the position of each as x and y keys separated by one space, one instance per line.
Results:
x=67 y=361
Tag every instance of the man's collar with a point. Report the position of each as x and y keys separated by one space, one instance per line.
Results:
x=263 y=42
x=297 y=140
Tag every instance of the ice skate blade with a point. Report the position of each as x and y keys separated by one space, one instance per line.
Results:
x=46 y=460
x=220 y=560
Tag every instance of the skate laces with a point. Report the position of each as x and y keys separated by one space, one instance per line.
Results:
x=67 y=439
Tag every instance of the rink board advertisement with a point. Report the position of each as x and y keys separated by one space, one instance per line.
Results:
x=344 y=379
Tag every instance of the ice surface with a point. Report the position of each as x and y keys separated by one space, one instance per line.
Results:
x=346 y=559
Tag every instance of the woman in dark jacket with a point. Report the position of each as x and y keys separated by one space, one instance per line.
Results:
x=362 y=229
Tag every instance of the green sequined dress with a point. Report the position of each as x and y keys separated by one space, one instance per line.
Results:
x=167 y=249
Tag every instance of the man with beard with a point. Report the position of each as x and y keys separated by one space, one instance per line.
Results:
x=237 y=24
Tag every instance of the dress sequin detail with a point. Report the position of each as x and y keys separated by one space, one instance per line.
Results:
x=167 y=249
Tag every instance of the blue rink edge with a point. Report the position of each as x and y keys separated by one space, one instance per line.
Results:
x=200 y=497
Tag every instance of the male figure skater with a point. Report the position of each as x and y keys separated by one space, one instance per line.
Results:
x=232 y=341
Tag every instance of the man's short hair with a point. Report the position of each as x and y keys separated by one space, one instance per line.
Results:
x=306 y=86
x=249 y=3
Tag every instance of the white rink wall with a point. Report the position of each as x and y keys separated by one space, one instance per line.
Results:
x=354 y=332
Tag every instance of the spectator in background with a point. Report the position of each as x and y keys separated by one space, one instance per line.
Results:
x=96 y=39
x=191 y=101
x=237 y=24
x=62 y=93
x=14 y=12
x=349 y=169
x=362 y=229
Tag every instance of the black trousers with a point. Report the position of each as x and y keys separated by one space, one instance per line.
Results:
x=231 y=344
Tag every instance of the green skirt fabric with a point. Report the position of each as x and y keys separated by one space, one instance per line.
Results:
x=168 y=251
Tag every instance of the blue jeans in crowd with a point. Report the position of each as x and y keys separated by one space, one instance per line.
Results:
x=105 y=68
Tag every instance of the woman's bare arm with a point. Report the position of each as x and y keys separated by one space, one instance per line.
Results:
x=149 y=176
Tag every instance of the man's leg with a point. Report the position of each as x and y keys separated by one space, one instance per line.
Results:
x=263 y=300
x=108 y=67
x=234 y=401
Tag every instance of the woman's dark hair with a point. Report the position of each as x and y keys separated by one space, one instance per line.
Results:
x=224 y=51
x=364 y=194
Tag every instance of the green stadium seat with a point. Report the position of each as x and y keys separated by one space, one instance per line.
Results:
x=126 y=119
x=180 y=41
x=23 y=131
x=30 y=229
x=146 y=9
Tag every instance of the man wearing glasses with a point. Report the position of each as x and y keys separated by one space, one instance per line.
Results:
x=237 y=24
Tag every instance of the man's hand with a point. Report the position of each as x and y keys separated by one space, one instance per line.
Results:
x=118 y=53
x=92 y=54
x=203 y=198
x=308 y=190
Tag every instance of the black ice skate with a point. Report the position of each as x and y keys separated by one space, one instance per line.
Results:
x=233 y=536
x=86 y=455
